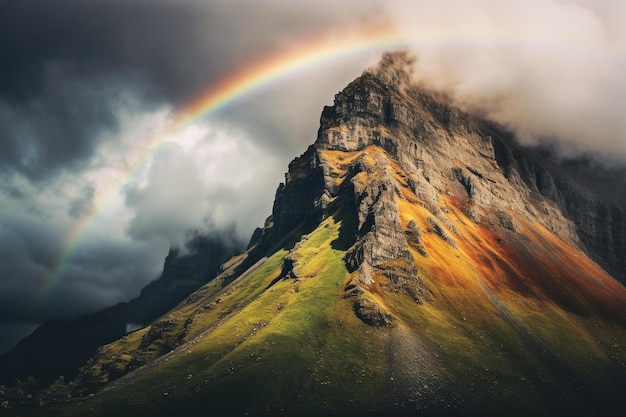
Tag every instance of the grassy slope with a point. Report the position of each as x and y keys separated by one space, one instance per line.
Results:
x=289 y=343
x=496 y=336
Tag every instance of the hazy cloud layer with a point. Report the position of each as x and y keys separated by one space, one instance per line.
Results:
x=550 y=70
x=83 y=83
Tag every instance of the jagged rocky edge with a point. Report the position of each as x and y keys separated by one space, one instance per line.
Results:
x=359 y=118
x=305 y=199
x=429 y=120
x=376 y=110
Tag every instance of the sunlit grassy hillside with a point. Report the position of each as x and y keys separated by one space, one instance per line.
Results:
x=516 y=320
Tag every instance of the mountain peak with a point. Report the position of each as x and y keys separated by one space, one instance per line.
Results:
x=395 y=69
x=417 y=260
x=371 y=109
x=445 y=151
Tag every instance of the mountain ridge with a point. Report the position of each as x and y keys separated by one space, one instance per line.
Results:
x=416 y=261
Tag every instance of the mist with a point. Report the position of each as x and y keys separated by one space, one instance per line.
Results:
x=548 y=70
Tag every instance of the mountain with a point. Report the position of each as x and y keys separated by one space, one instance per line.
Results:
x=417 y=261
x=59 y=348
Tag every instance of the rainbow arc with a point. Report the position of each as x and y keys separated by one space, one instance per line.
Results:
x=260 y=74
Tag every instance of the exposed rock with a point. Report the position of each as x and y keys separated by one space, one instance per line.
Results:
x=300 y=202
x=427 y=137
x=371 y=312
x=289 y=266
x=157 y=332
x=365 y=274
x=256 y=236
x=439 y=231
x=381 y=246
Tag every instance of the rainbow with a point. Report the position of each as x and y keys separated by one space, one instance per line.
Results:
x=261 y=74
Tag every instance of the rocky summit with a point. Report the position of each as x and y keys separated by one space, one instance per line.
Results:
x=417 y=261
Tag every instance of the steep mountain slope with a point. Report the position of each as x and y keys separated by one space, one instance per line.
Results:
x=59 y=348
x=416 y=262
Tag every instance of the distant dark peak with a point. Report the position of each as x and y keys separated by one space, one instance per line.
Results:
x=61 y=347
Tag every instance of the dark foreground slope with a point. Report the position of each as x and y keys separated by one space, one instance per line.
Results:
x=416 y=262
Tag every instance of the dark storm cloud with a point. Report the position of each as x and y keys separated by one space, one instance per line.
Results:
x=177 y=44
x=55 y=130
x=157 y=37
x=67 y=64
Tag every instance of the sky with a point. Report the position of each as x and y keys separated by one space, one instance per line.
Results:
x=96 y=185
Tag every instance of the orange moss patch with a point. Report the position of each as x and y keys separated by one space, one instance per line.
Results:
x=531 y=266
x=534 y=263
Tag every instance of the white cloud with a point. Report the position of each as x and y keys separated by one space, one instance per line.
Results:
x=547 y=69
x=204 y=177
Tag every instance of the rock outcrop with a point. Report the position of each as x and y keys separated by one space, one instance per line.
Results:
x=444 y=154
x=598 y=215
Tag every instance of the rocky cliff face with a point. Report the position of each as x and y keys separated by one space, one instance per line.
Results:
x=597 y=215
x=447 y=158
x=442 y=151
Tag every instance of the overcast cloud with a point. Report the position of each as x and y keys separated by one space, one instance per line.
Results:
x=83 y=83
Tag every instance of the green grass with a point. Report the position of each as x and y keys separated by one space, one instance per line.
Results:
x=294 y=345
